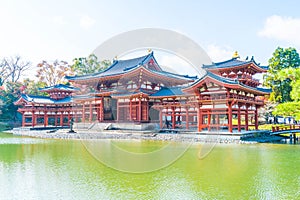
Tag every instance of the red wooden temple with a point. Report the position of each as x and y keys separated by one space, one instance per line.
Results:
x=139 y=91
x=55 y=109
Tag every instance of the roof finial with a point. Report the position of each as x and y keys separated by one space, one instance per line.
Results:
x=235 y=55
x=116 y=58
x=149 y=50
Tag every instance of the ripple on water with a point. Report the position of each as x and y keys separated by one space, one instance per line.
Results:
x=22 y=140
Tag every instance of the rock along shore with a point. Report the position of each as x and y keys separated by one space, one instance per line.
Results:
x=120 y=135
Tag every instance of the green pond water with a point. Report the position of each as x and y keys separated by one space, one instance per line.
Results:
x=32 y=168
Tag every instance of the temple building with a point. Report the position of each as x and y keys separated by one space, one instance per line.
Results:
x=55 y=109
x=138 y=90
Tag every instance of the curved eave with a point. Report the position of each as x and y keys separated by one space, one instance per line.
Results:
x=177 y=79
x=252 y=63
x=57 y=89
x=233 y=85
x=102 y=73
x=44 y=100
x=132 y=72
x=20 y=100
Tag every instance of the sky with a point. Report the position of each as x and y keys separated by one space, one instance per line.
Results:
x=66 y=29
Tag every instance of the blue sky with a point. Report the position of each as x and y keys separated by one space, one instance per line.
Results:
x=48 y=30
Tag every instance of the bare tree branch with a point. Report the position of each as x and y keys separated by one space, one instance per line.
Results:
x=13 y=68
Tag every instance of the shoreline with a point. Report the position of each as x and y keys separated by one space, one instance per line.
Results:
x=132 y=135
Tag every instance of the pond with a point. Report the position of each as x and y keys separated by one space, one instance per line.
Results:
x=32 y=168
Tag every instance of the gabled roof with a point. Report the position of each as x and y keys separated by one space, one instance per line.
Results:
x=42 y=99
x=234 y=62
x=228 y=82
x=120 y=67
x=60 y=87
x=165 y=91
x=117 y=67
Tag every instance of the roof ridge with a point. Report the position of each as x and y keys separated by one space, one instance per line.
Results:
x=218 y=63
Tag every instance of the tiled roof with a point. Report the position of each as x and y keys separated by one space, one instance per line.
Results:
x=230 y=81
x=45 y=100
x=120 y=67
x=232 y=63
x=172 y=91
x=60 y=87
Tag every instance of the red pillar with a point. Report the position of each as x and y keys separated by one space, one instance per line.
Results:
x=102 y=110
x=118 y=113
x=32 y=119
x=246 y=119
x=239 y=118
x=187 y=117
x=23 y=119
x=256 y=118
x=61 y=119
x=199 y=118
x=140 y=110
x=83 y=113
x=98 y=112
x=69 y=117
x=130 y=109
x=208 y=120
x=173 y=118
x=91 y=113
x=229 y=117
x=217 y=121
x=147 y=110
x=55 y=119
x=160 y=118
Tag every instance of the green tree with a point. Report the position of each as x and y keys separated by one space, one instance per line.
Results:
x=32 y=87
x=53 y=73
x=292 y=74
x=89 y=65
x=281 y=59
x=9 y=96
x=288 y=109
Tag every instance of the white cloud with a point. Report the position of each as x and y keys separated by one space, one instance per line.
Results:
x=219 y=53
x=282 y=28
x=86 y=22
x=60 y=20
x=175 y=64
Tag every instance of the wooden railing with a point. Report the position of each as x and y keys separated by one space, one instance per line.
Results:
x=283 y=128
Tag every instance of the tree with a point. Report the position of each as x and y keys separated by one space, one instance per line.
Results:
x=32 y=87
x=288 y=109
x=267 y=110
x=53 y=73
x=292 y=74
x=12 y=69
x=282 y=59
x=89 y=65
x=9 y=96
